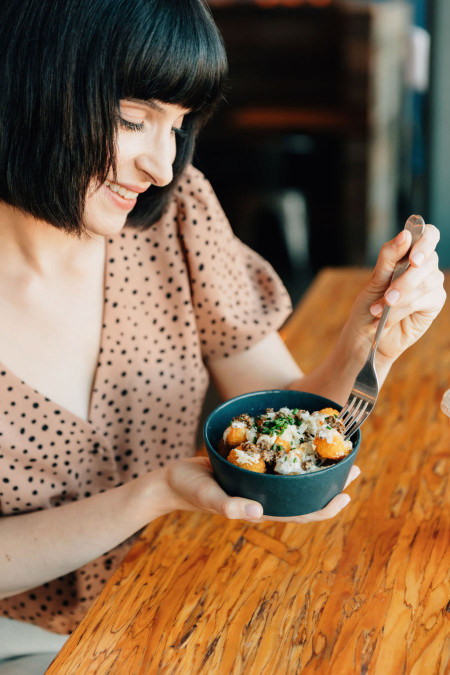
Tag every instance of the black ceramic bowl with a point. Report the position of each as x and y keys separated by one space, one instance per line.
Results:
x=279 y=495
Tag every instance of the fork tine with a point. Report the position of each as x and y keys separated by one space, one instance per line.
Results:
x=353 y=412
x=346 y=407
x=346 y=412
x=364 y=412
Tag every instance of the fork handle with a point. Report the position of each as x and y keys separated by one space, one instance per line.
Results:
x=415 y=225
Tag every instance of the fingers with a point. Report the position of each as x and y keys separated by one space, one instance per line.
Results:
x=424 y=263
x=196 y=490
x=395 y=249
x=212 y=498
x=413 y=289
x=426 y=245
x=353 y=474
x=329 y=511
x=332 y=508
x=195 y=485
x=421 y=309
x=422 y=277
x=390 y=253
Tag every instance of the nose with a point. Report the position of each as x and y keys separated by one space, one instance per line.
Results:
x=156 y=160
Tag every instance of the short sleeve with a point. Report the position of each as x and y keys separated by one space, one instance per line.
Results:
x=237 y=296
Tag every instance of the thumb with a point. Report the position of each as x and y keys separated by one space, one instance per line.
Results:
x=390 y=253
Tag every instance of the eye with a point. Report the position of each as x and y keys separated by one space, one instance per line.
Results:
x=131 y=126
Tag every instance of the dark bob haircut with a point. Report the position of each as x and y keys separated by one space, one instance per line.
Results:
x=64 y=67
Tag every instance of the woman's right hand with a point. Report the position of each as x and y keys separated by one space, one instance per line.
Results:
x=194 y=489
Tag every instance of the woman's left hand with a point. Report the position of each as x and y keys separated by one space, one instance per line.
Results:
x=416 y=297
x=192 y=487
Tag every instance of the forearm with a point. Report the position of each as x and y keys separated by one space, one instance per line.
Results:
x=269 y=365
x=335 y=375
x=43 y=545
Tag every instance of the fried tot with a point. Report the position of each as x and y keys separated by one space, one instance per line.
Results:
x=246 y=461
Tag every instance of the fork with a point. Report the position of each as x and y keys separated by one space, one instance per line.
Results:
x=364 y=394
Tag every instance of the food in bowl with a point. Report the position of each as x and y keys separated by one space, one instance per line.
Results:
x=279 y=495
x=286 y=442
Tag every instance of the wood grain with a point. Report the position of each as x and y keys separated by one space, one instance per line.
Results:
x=367 y=592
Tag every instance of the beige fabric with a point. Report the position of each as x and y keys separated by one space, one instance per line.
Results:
x=175 y=295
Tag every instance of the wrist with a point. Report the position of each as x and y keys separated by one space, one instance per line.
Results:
x=353 y=349
x=152 y=495
x=332 y=378
x=382 y=367
x=335 y=375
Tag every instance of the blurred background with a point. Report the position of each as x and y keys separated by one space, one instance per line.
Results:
x=335 y=128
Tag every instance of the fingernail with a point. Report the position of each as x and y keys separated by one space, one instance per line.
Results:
x=253 y=511
x=418 y=259
x=392 y=296
x=400 y=238
x=376 y=309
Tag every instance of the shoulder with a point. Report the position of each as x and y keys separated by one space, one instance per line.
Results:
x=194 y=183
x=195 y=191
x=193 y=215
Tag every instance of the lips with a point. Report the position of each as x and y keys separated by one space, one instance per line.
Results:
x=124 y=192
x=119 y=202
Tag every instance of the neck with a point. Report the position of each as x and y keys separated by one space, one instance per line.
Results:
x=41 y=249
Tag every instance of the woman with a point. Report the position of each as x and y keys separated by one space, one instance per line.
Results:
x=121 y=288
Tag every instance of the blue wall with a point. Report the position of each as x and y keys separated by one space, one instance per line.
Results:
x=440 y=128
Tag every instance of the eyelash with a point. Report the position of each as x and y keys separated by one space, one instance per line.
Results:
x=133 y=126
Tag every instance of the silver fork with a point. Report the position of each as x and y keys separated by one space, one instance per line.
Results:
x=364 y=394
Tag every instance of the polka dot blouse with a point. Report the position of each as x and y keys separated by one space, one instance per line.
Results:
x=180 y=293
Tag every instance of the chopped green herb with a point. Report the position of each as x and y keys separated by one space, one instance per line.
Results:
x=328 y=427
x=277 y=425
x=295 y=459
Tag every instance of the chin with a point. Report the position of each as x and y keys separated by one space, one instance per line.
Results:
x=105 y=214
x=105 y=227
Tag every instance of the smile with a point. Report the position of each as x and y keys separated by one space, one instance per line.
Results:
x=120 y=190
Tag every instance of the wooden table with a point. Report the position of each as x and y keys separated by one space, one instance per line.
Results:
x=367 y=592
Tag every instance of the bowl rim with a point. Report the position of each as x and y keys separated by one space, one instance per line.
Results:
x=274 y=476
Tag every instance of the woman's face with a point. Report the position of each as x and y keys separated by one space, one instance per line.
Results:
x=146 y=148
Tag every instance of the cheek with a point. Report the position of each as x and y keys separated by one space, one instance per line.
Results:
x=131 y=145
x=93 y=200
x=174 y=149
x=128 y=145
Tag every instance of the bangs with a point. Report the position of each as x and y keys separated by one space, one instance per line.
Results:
x=65 y=66
x=171 y=56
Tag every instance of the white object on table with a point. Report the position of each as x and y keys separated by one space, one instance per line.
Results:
x=445 y=403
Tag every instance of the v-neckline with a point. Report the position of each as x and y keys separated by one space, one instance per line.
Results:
x=89 y=419
x=94 y=388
